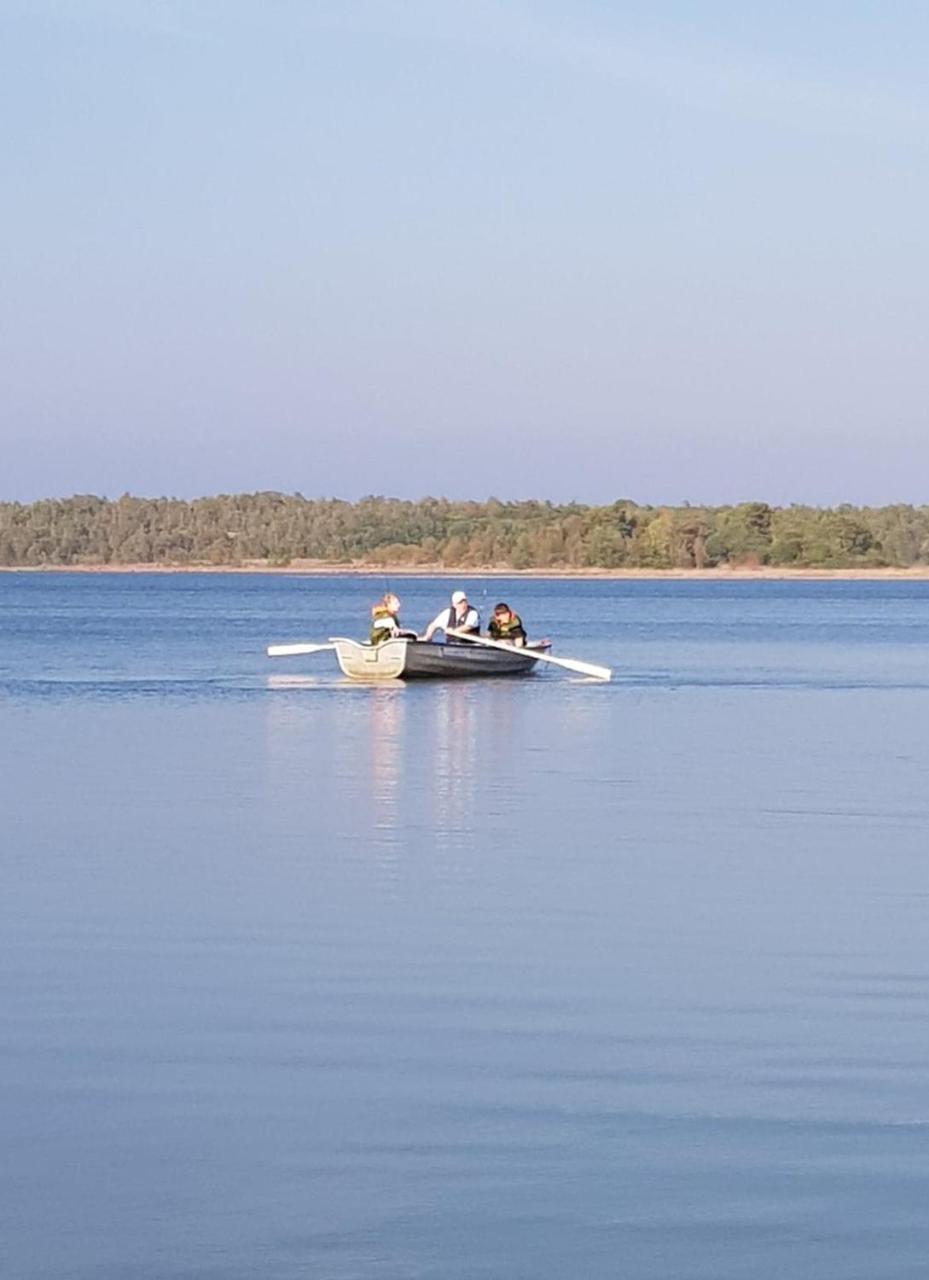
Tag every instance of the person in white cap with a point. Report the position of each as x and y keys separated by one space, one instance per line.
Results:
x=459 y=617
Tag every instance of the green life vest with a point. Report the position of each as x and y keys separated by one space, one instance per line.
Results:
x=512 y=629
x=381 y=633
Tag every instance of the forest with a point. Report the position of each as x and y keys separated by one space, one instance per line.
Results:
x=278 y=529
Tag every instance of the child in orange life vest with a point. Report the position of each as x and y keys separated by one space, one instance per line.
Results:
x=385 y=621
x=507 y=626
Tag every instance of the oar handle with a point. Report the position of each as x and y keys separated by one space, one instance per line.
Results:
x=291 y=650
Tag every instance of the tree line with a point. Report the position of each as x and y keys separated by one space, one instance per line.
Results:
x=277 y=528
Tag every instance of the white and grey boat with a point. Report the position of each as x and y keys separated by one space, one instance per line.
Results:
x=406 y=658
x=418 y=659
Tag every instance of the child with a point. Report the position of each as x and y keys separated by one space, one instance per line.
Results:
x=385 y=619
x=507 y=626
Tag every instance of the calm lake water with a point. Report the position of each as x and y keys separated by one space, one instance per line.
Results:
x=534 y=978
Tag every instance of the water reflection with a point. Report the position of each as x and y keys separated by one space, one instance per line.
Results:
x=290 y=680
x=387 y=756
x=455 y=746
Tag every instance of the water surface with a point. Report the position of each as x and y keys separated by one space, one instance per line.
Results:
x=524 y=978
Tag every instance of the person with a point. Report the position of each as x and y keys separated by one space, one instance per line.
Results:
x=507 y=626
x=460 y=617
x=385 y=621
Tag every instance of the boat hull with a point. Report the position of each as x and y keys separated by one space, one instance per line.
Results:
x=421 y=660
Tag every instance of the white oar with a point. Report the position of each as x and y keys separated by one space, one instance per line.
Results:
x=289 y=650
x=569 y=664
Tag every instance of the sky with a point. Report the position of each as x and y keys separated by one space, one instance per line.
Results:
x=567 y=249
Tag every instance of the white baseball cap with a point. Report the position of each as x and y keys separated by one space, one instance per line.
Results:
x=458 y=597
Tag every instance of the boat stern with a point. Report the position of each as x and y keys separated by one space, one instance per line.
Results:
x=384 y=661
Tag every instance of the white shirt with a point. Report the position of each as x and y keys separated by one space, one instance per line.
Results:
x=440 y=623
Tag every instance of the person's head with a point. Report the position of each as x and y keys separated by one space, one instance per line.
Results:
x=459 y=600
x=388 y=603
x=502 y=612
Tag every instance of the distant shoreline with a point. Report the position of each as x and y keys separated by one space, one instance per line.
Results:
x=310 y=568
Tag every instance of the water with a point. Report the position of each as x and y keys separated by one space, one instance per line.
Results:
x=529 y=978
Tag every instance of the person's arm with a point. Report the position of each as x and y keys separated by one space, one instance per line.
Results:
x=437 y=624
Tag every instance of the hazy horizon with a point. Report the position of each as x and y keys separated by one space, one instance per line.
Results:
x=552 y=250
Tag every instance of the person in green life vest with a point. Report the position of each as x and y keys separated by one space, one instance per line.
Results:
x=507 y=626
x=385 y=621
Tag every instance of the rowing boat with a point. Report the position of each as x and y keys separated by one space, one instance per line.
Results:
x=466 y=655
x=418 y=659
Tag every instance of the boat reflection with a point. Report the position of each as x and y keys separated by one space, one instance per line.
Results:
x=455 y=747
x=387 y=756
x=376 y=765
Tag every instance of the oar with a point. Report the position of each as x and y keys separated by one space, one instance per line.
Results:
x=289 y=650
x=569 y=664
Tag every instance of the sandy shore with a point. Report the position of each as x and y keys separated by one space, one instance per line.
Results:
x=315 y=568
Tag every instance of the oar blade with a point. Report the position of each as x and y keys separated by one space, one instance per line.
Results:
x=583 y=668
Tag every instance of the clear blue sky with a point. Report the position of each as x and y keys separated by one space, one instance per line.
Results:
x=568 y=249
